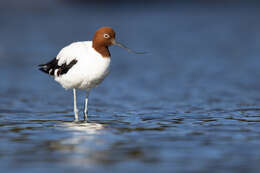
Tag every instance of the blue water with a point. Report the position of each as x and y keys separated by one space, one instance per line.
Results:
x=192 y=104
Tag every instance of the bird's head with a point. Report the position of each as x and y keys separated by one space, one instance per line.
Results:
x=105 y=37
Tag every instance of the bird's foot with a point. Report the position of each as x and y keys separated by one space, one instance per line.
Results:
x=76 y=114
x=86 y=116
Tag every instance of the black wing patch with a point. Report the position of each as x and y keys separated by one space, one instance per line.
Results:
x=52 y=65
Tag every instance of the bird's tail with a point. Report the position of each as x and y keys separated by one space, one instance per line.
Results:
x=49 y=67
x=44 y=68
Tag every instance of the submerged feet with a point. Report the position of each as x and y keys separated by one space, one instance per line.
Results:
x=86 y=116
x=76 y=114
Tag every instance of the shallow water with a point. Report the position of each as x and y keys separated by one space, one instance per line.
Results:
x=190 y=105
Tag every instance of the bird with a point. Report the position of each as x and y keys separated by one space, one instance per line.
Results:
x=84 y=65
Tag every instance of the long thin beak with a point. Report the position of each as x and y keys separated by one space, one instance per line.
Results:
x=126 y=48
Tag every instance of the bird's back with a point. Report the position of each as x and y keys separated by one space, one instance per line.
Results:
x=76 y=50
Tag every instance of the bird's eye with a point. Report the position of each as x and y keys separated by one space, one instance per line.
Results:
x=106 y=36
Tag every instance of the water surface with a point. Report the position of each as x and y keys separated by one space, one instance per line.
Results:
x=190 y=105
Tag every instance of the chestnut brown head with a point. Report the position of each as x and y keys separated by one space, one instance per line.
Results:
x=105 y=37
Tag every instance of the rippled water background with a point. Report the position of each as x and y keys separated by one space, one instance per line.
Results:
x=191 y=105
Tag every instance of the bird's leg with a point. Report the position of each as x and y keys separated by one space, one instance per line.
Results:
x=76 y=112
x=86 y=107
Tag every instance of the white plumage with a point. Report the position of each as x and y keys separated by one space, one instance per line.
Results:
x=89 y=71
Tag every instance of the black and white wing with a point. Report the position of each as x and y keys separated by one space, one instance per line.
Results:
x=54 y=69
x=64 y=61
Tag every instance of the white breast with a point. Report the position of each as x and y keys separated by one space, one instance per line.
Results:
x=90 y=70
